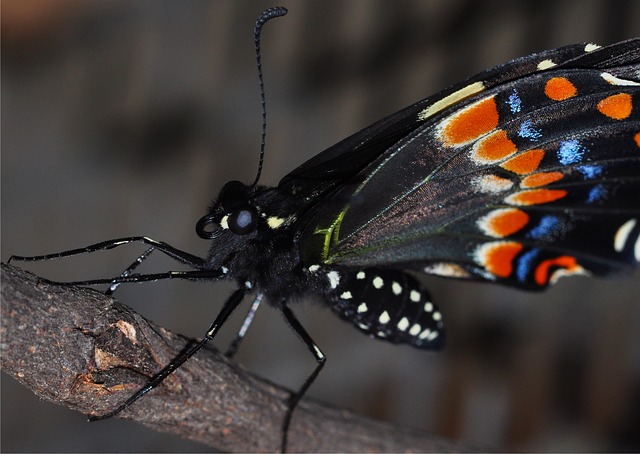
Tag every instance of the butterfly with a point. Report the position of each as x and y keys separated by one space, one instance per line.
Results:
x=520 y=175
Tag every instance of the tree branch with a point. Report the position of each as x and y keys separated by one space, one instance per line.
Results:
x=79 y=348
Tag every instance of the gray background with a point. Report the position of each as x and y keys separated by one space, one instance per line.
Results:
x=125 y=118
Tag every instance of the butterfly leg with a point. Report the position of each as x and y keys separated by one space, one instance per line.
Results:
x=141 y=258
x=320 y=359
x=231 y=304
x=233 y=347
x=176 y=254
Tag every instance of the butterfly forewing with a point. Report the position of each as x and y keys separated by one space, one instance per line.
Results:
x=529 y=180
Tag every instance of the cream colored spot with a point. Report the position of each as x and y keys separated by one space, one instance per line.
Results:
x=403 y=324
x=546 y=64
x=414 y=296
x=362 y=308
x=447 y=270
x=423 y=335
x=346 y=295
x=384 y=318
x=437 y=316
x=314 y=268
x=224 y=222
x=396 y=288
x=591 y=47
x=360 y=275
x=415 y=329
x=622 y=235
x=428 y=307
x=451 y=99
x=274 y=222
x=334 y=278
x=492 y=184
x=378 y=282
x=613 y=80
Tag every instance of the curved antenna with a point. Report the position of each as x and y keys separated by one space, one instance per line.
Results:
x=266 y=16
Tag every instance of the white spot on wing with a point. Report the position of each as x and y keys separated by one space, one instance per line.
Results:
x=384 y=318
x=274 y=222
x=415 y=329
x=414 y=296
x=591 y=47
x=362 y=308
x=613 y=80
x=447 y=270
x=437 y=316
x=546 y=64
x=314 y=268
x=423 y=335
x=360 y=275
x=428 y=307
x=396 y=288
x=346 y=295
x=403 y=324
x=622 y=235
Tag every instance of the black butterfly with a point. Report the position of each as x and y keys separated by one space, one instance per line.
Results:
x=520 y=175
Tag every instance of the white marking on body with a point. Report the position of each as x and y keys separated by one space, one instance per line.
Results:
x=346 y=295
x=360 y=275
x=362 y=308
x=378 y=282
x=415 y=329
x=613 y=80
x=314 y=268
x=248 y=284
x=384 y=318
x=224 y=222
x=622 y=235
x=334 y=278
x=451 y=99
x=403 y=324
x=546 y=64
x=414 y=296
x=274 y=222
x=224 y=270
x=428 y=307
x=396 y=288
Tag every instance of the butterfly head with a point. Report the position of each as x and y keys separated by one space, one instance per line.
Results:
x=233 y=211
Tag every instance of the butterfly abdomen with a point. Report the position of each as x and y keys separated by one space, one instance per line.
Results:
x=385 y=304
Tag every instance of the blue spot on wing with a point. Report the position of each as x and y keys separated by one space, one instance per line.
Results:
x=528 y=131
x=525 y=264
x=548 y=226
x=570 y=152
x=597 y=192
x=590 y=171
x=514 y=102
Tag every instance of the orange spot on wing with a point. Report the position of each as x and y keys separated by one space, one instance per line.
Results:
x=540 y=179
x=536 y=196
x=470 y=123
x=494 y=147
x=504 y=222
x=637 y=138
x=617 y=106
x=567 y=262
x=497 y=258
x=559 y=89
x=525 y=162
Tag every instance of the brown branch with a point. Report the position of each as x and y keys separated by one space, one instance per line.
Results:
x=79 y=348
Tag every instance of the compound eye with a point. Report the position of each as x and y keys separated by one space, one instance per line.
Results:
x=243 y=220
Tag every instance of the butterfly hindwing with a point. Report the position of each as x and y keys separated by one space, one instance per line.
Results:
x=536 y=177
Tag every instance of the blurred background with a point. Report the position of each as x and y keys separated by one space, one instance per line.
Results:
x=125 y=118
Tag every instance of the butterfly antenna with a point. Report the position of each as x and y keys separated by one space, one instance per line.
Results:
x=266 y=16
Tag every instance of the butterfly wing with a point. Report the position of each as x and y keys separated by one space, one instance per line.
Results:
x=522 y=174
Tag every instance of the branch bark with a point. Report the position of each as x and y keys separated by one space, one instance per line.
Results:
x=79 y=348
